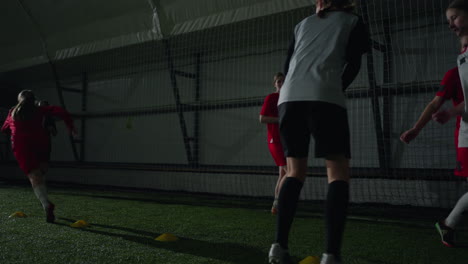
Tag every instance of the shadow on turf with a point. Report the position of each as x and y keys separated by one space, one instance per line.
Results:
x=193 y=200
x=306 y=209
x=229 y=252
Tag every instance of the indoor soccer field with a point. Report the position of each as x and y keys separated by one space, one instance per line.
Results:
x=166 y=96
x=123 y=226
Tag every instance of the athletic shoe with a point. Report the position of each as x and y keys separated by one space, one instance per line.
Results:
x=447 y=235
x=329 y=259
x=279 y=255
x=50 y=213
x=274 y=208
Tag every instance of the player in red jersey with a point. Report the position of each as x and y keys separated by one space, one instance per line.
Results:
x=30 y=142
x=450 y=89
x=457 y=18
x=269 y=116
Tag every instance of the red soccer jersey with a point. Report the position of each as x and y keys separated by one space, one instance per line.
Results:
x=30 y=140
x=451 y=89
x=270 y=108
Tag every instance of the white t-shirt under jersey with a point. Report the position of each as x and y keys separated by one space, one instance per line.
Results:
x=318 y=60
x=462 y=62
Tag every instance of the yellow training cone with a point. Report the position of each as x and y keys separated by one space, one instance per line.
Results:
x=167 y=237
x=18 y=214
x=310 y=260
x=80 y=224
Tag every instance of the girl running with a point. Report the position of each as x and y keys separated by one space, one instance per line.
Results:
x=30 y=142
x=457 y=17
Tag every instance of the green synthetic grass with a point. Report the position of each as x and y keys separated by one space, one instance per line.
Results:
x=212 y=230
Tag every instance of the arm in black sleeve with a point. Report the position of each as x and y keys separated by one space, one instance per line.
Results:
x=359 y=43
x=351 y=71
x=289 y=56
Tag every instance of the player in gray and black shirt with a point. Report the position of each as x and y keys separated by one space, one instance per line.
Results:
x=323 y=60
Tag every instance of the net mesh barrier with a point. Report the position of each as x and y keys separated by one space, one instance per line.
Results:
x=182 y=113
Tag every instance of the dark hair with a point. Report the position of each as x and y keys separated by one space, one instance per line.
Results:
x=459 y=4
x=344 y=5
x=278 y=75
x=25 y=107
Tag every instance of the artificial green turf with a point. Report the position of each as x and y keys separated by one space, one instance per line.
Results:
x=212 y=230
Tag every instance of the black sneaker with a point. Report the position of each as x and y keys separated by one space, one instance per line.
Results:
x=447 y=235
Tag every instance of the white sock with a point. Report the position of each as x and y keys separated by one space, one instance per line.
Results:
x=457 y=213
x=41 y=194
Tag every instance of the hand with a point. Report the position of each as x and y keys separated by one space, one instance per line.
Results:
x=442 y=116
x=409 y=135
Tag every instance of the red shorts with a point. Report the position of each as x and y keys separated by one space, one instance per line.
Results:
x=277 y=153
x=462 y=162
x=31 y=154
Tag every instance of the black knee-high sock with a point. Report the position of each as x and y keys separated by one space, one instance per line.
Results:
x=287 y=204
x=335 y=215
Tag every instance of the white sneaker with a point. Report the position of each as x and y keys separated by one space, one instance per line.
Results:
x=278 y=255
x=329 y=259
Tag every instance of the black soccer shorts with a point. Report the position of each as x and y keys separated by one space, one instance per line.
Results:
x=326 y=122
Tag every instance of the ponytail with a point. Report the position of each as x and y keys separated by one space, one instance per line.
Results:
x=25 y=107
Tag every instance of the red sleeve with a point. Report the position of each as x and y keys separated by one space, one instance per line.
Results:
x=449 y=83
x=61 y=113
x=269 y=106
x=6 y=124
